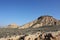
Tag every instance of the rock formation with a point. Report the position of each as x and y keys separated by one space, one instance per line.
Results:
x=42 y=21
x=36 y=36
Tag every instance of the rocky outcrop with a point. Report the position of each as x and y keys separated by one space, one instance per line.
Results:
x=36 y=36
x=42 y=21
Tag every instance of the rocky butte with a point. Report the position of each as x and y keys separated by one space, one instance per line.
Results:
x=12 y=26
x=41 y=21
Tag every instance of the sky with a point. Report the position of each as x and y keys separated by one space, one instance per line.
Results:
x=24 y=11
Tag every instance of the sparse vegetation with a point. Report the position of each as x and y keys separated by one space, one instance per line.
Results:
x=4 y=32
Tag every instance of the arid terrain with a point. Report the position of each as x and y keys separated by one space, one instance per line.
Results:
x=43 y=28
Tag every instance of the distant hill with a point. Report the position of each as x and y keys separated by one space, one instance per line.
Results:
x=12 y=26
x=42 y=21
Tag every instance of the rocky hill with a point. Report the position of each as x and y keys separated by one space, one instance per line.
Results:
x=42 y=21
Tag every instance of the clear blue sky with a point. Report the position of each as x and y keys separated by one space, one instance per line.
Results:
x=24 y=11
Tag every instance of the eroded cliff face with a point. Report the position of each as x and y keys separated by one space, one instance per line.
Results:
x=42 y=21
